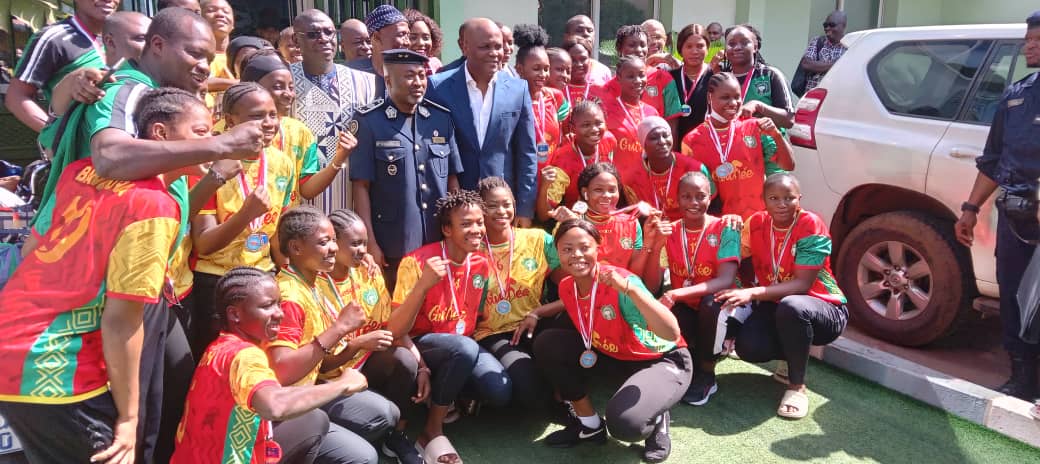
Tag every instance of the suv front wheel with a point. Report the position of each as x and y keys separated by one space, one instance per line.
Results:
x=905 y=276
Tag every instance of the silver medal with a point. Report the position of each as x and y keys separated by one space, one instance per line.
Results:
x=580 y=207
x=503 y=307
x=724 y=170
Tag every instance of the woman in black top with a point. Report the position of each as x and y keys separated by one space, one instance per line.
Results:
x=691 y=79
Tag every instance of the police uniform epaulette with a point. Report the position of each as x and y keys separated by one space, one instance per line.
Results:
x=371 y=106
x=436 y=105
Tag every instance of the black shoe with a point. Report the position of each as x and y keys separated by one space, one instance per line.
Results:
x=701 y=389
x=576 y=433
x=659 y=444
x=1022 y=383
x=398 y=445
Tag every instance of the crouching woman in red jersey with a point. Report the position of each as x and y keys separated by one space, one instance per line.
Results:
x=236 y=394
x=798 y=303
x=621 y=325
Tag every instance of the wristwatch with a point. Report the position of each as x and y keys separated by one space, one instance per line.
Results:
x=966 y=206
x=218 y=177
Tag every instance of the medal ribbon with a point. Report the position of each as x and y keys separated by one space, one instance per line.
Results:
x=773 y=255
x=747 y=84
x=539 y=124
x=583 y=327
x=451 y=283
x=691 y=259
x=508 y=264
x=329 y=311
x=693 y=86
x=667 y=187
x=713 y=134
x=628 y=115
x=581 y=156
x=95 y=41
x=261 y=180
x=584 y=97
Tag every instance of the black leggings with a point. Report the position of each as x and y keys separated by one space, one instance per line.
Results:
x=529 y=388
x=778 y=331
x=652 y=388
x=203 y=326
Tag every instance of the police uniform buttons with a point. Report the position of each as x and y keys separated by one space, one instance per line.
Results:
x=390 y=157
x=417 y=146
x=423 y=187
x=422 y=167
x=424 y=205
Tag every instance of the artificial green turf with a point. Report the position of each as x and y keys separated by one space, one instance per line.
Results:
x=850 y=420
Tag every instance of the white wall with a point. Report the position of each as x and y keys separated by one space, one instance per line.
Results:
x=702 y=12
x=454 y=12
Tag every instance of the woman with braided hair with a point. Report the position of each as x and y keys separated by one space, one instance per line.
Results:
x=317 y=341
x=441 y=289
x=235 y=391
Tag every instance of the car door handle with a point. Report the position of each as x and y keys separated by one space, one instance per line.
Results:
x=964 y=152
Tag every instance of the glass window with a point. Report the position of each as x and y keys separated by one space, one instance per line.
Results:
x=926 y=78
x=991 y=85
x=553 y=16
x=614 y=14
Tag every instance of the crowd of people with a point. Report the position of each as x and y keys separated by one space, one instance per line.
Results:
x=248 y=252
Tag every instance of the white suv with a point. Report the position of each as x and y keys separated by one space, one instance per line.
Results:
x=885 y=149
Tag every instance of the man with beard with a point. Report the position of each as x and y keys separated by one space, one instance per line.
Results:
x=390 y=31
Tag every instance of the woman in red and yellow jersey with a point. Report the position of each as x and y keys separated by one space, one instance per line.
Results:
x=736 y=150
x=620 y=325
x=590 y=143
x=235 y=393
x=238 y=225
x=703 y=256
x=583 y=83
x=661 y=91
x=798 y=303
x=622 y=244
x=316 y=333
x=624 y=109
x=441 y=289
x=656 y=179
x=521 y=260
x=392 y=365
x=550 y=106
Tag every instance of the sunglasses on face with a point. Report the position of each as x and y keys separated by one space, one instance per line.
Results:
x=830 y=25
x=319 y=33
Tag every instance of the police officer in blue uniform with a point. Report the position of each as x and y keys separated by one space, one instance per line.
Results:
x=406 y=159
x=1011 y=161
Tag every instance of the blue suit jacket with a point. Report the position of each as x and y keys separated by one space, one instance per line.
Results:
x=509 y=146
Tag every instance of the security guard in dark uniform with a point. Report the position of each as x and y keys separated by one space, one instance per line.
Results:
x=1011 y=161
x=405 y=160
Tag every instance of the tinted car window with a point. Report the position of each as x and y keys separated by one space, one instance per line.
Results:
x=926 y=78
x=992 y=83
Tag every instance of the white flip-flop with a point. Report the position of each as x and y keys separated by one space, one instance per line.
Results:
x=438 y=448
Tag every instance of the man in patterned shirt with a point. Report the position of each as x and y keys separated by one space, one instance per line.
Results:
x=824 y=50
x=327 y=96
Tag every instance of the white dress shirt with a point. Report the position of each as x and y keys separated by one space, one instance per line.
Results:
x=480 y=103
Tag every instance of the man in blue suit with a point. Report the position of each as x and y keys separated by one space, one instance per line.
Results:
x=494 y=123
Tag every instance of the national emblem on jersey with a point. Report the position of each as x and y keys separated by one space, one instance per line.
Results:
x=608 y=312
x=530 y=264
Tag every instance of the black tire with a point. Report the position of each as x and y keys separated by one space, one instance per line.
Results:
x=921 y=238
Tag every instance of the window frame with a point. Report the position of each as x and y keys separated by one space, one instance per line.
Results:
x=873 y=75
x=977 y=82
